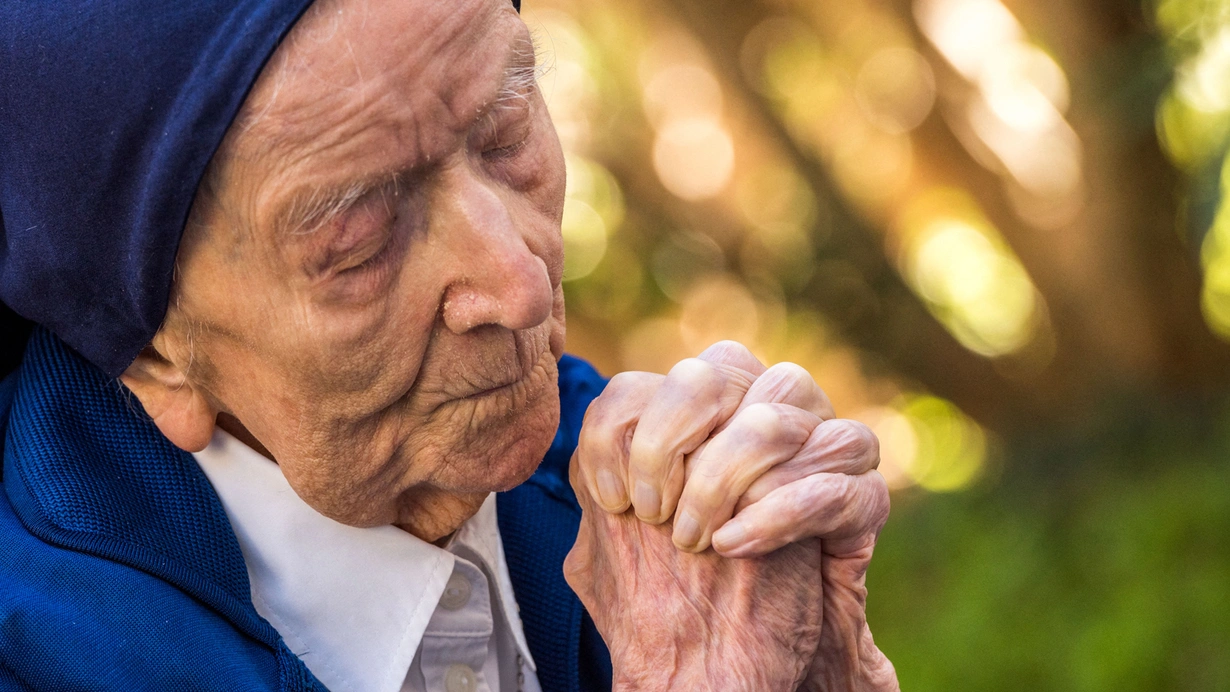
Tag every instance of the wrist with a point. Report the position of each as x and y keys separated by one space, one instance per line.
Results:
x=707 y=674
x=875 y=671
x=877 y=675
x=642 y=680
x=861 y=667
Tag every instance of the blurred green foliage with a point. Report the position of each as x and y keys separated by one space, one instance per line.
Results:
x=1109 y=571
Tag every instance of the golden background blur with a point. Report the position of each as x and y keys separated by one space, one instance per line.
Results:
x=994 y=232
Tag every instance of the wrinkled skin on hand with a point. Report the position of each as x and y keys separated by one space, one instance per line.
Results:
x=761 y=444
x=847 y=658
x=680 y=621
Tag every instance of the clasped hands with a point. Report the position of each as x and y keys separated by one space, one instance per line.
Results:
x=723 y=452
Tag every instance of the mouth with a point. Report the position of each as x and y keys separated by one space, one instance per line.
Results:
x=494 y=391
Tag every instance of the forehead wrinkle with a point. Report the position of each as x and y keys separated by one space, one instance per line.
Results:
x=380 y=79
x=467 y=102
x=421 y=124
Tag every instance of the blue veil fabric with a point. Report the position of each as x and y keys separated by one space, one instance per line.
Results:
x=110 y=111
x=109 y=114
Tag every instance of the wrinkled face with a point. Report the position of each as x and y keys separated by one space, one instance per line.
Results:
x=371 y=285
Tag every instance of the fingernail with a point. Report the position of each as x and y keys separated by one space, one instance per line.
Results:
x=647 y=500
x=610 y=491
x=687 y=531
x=732 y=535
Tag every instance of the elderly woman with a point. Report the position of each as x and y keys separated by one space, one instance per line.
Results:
x=318 y=243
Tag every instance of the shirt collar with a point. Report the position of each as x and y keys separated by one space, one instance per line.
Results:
x=352 y=603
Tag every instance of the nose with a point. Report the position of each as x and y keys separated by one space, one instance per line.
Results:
x=499 y=280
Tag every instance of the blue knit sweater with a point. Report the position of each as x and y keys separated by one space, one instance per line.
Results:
x=120 y=571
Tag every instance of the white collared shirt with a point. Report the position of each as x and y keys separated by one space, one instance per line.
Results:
x=376 y=609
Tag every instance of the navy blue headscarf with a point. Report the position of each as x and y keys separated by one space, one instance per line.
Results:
x=110 y=111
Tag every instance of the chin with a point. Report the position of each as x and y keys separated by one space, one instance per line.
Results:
x=514 y=451
x=512 y=472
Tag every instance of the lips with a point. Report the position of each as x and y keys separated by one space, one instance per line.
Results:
x=494 y=390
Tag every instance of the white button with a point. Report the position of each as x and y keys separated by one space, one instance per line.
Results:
x=460 y=678
x=456 y=593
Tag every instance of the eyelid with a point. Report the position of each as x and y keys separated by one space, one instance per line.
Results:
x=508 y=150
x=340 y=242
x=371 y=260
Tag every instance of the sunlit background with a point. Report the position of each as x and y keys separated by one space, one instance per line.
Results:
x=995 y=233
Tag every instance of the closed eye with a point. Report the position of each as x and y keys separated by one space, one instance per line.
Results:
x=372 y=261
x=507 y=151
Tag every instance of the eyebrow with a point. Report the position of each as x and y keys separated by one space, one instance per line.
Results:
x=520 y=74
x=309 y=209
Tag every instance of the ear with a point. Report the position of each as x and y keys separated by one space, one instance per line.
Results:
x=181 y=411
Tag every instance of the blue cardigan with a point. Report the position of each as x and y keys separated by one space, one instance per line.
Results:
x=120 y=571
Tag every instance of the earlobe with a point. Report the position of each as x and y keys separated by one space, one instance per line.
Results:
x=181 y=411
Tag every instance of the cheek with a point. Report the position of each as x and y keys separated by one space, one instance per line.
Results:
x=554 y=182
x=361 y=360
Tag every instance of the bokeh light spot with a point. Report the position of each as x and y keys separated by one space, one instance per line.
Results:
x=1188 y=135
x=898 y=444
x=895 y=89
x=951 y=448
x=1025 y=88
x=654 y=344
x=719 y=308
x=682 y=91
x=970 y=280
x=584 y=239
x=874 y=168
x=775 y=200
x=613 y=290
x=967 y=31
x=682 y=259
x=593 y=184
x=1215 y=296
x=1204 y=81
x=694 y=158
x=569 y=86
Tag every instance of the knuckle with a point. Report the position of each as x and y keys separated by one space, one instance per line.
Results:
x=852 y=438
x=705 y=489
x=774 y=427
x=761 y=421
x=848 y=492
x=574 y=571
x=621 y=391
x=691 y=370
x=574 y=474
x=790 y=372
x=651 y=455
x=881 y=498
x=726 y=347
x=624 y=389
x=643 y=446
x=617 y=385
x=598 y=410
x=629 y=380
x=866 y=504
x=863 y=434
x=598 y=429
